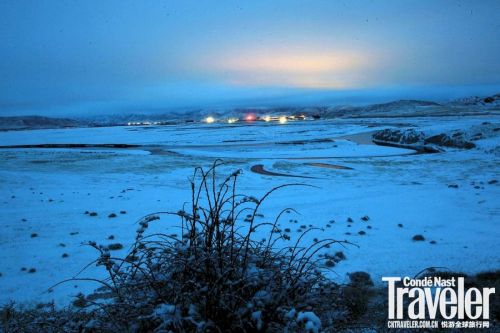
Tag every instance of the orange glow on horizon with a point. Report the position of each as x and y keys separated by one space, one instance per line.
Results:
x=301 y=69
x=293 y=63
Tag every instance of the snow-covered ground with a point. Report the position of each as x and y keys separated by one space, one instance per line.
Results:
x=45 y=192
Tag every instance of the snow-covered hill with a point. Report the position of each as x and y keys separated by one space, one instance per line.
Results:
x=36 y=122
x=489 y=101
x=469 y=106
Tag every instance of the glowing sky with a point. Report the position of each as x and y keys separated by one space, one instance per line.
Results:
x=87 y=54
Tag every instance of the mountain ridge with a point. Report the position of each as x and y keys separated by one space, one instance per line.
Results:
x=397 y=108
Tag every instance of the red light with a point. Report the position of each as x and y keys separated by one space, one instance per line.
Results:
x=250 y=117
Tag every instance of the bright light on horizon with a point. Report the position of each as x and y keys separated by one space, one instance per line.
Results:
x=282 y=120
x=291 y=67
x=209 y=120
x=250 y=117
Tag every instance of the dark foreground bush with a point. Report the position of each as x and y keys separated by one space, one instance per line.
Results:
x=43 y=318
x=216 y=277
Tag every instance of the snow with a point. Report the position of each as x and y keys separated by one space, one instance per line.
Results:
x=257 y=318
x=340 y=148
x=47 y=191
x=164 y=310
x=312 y=322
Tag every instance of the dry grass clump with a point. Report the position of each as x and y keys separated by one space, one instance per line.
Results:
x=218 y=275
x=215 y=276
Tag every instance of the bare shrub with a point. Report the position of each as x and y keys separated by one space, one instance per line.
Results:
x=216 y=276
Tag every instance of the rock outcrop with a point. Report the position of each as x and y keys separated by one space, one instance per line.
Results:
x=410 y=138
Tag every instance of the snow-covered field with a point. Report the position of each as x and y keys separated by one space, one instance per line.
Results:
x=45 y=192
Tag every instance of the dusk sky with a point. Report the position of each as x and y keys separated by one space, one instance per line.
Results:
x=107 y=56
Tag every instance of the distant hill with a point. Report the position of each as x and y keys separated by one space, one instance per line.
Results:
x=394 y=108
x=398 y=105
x=493 y=100
x=36 y=122
x=401 y=108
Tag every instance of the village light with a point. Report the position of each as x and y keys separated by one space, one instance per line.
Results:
x=209 y=120
x=250 y=117
x=267 y=118
x=232 y=120
x=282 y=120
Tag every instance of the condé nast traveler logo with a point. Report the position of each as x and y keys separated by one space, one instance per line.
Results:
x=435 y=302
